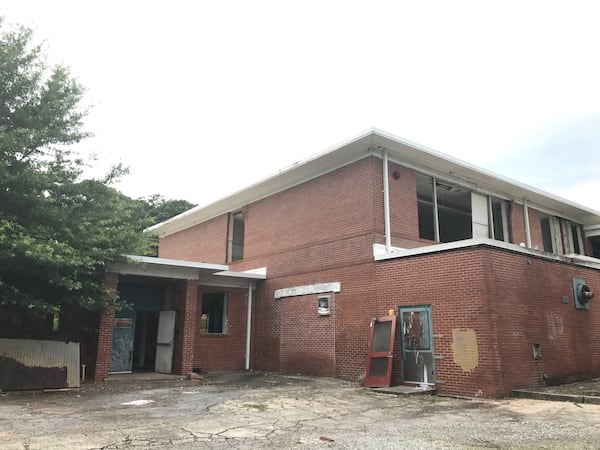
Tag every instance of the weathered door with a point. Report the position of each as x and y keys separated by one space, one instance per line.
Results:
x=121 y=357
x=165 y=341
x=381 y=351
x=417 y=345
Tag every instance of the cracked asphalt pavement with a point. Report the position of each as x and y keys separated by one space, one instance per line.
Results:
x=255 y=410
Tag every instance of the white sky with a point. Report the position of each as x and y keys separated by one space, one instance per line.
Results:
x=202 y=98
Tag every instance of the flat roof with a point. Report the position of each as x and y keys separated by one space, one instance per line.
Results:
x=375 y=142
x=189 y=270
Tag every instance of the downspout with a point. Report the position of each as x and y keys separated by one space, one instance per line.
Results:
x=248 y=325
x=527 y=230
x=386 y=204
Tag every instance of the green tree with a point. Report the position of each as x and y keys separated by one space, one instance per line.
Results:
x=58 y=233
x=158 y=209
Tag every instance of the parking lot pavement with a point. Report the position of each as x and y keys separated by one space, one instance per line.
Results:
x=262 y=410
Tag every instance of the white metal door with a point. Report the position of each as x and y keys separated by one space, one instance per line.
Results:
x=165 y=342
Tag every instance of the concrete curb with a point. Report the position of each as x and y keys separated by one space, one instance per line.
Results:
x=537 y=395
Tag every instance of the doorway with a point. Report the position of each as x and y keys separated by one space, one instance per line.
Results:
x=417 y=344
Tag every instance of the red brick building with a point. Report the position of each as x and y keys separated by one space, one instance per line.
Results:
x=488 y=277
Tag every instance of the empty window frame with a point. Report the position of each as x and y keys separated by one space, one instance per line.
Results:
x=444 y=210
x=235 y=237
x=214 y=308
x=595 y=241
x=498 y=210
x=561 y=236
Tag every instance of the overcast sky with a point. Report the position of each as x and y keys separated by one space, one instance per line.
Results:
x=202 y=98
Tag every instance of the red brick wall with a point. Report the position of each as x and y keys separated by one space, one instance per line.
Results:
x=216 y=352
x=510 y=304
x=404 y=218
x=526 y=295
x=105 y=331
x=186 y=327
x=517 y=224
x=307 y=339
x=205 y=242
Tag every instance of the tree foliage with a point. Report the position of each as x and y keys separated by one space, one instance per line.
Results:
x=58 y=233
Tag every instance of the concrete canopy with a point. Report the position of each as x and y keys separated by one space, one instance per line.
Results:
x=204 y=273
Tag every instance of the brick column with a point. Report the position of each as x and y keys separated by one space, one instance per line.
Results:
x=105 y=330
x=187 y=334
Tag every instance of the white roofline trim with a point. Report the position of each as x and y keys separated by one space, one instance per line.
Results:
x=582 y=260
x=401 y=151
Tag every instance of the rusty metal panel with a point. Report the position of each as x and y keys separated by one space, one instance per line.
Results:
x=34 y=364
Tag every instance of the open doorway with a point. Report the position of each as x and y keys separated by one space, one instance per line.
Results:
x=144 y=347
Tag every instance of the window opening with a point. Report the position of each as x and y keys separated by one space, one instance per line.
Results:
x=425 y=206
x=576 y=237
x=214 y=312
x=499 y=219
x=444 y=210
x=546 y=234
x=454 y=213
x=595 y=241
x=235 y=239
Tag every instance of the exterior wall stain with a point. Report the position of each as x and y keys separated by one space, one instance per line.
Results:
x=464 y=349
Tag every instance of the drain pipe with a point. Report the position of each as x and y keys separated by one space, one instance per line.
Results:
x=248 y=325
x=527 y=229
x=386 y=204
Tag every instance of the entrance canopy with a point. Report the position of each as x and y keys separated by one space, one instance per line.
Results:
x=205 y=273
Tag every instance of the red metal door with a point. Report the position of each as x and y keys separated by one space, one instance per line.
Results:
x=381 y=351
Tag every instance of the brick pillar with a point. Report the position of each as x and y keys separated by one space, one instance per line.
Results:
x=187 y=333
x=105 y=330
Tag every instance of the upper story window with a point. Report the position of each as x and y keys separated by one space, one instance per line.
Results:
x=561 y=236
x=235 y=237
x=444 y=210
x=450 y=213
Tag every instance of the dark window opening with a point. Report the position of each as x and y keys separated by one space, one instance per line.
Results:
x=499 y=220
x=453 y=205
x=425 y=207
x=214 y=312
x=235 y=239
x=575 y=236
x=454 y=213
x=595 y=246
x=547 y=234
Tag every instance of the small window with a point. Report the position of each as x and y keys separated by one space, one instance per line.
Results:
x=235 y=237
x=214 y=309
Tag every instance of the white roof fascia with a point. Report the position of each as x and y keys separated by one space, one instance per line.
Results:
x=178 y=263
x=179 y=269
x=400 y=150
x=581 y=260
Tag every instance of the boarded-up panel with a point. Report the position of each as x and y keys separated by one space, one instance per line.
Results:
x=33 y=364
x=479 y=213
